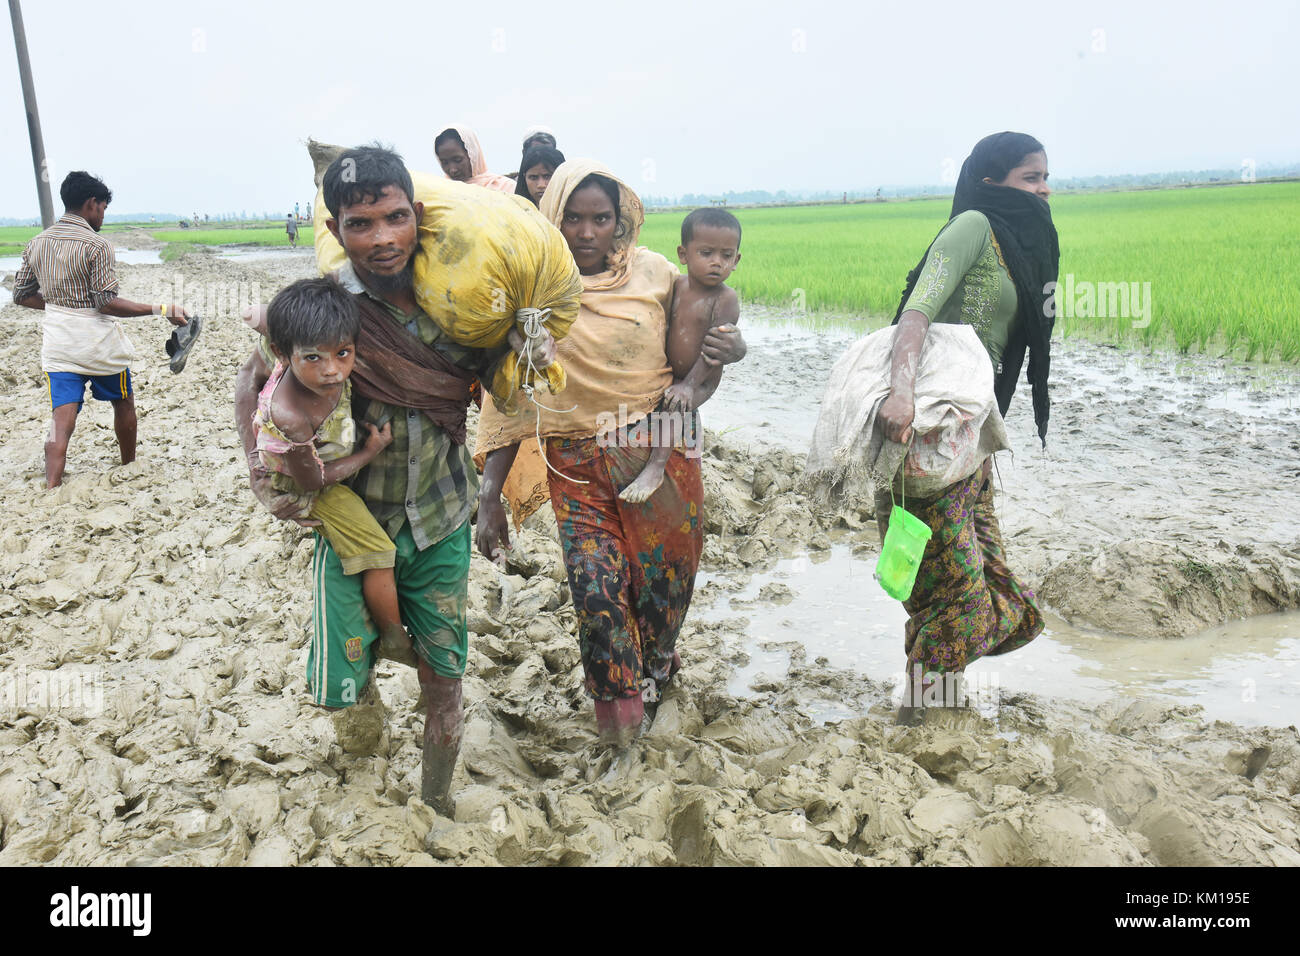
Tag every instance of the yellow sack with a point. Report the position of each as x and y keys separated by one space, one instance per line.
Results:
x=483 y=255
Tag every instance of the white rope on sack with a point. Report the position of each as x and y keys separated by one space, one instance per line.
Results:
x=532 y=321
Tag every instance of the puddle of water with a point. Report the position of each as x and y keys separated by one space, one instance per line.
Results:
x=138 y=257
x=1247 y=672
x=265 y=253
x=771 y=399
x=1251 y=390
x=8 y=266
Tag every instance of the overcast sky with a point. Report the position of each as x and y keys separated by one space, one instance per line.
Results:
x=182 y=105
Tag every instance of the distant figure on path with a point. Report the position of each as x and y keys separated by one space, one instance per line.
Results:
x=534 y=137
x=67 y=271
x=291 y=227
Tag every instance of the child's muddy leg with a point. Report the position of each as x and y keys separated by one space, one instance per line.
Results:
x=379 y=587
x=651 y=477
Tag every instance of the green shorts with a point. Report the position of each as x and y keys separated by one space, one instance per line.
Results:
x=432 y=591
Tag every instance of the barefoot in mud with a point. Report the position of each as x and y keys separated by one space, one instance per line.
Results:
x=648 y=482
x=359 y=728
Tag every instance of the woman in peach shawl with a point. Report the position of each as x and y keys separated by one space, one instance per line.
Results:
x=631 y=567
x=462 y=159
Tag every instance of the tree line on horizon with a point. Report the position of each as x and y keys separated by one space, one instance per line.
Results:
x=1113 y=181
x=763 y=196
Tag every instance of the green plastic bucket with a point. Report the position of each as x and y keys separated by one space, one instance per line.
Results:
x=900 y=555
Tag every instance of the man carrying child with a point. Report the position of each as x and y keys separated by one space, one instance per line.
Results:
x=421 y=488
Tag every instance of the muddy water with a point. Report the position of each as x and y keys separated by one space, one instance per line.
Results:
x=770 y=400
x=1247 y=672
x=270 y=254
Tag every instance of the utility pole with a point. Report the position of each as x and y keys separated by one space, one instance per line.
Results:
x=33 y=117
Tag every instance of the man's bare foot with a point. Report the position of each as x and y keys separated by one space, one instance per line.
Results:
x=645 y=485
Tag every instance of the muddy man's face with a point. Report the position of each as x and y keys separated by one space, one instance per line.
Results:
x=380 y=236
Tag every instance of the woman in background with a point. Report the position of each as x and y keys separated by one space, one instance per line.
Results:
x=539 y=136
x=461 y=158
x=535 y=171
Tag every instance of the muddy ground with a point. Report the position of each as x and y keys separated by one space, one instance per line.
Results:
x=153 y=629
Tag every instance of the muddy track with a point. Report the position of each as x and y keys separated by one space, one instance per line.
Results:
x=155 y=622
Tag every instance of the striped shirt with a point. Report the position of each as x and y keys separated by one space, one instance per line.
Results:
x=423 y=478
x=70 y=265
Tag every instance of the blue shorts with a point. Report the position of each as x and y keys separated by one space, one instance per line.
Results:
x=68 y=387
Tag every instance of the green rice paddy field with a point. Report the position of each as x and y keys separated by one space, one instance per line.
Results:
x=13 y=238
x=1223 y=263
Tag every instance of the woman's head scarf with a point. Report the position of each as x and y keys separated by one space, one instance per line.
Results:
x=544 y=130
x=1022 y=226
x=623 y=313
x=478 y=174
x=631 y=215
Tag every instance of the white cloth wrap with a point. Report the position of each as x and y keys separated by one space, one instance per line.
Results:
x=84 y=341
x=956 y=424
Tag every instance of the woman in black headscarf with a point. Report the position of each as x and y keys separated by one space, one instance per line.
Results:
x=989 y=267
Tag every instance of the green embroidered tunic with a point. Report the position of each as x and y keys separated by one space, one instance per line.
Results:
x=965 y=280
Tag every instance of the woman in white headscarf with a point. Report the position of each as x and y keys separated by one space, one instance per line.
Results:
x=462 y=159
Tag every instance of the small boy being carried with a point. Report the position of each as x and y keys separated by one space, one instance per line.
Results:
x=710 y=250
x=305 y=438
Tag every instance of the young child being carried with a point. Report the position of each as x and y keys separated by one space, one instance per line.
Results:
x=305 y=438
x=710 y=250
